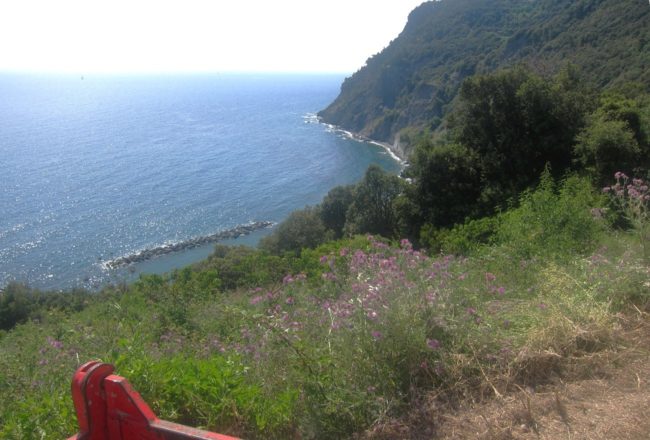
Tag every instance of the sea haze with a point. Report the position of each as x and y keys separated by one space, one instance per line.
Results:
x=94 y=168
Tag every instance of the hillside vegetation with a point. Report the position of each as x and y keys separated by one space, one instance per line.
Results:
x=350 y=335
x=412 y=83
x=325 y=331
x=512 y=253
x=516 y=279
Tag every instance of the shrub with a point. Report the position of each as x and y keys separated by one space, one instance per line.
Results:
x=16 y=304
x=607 y=146
x=463 y=239
x=302 y=229
x=214 y=393
x=552 y=221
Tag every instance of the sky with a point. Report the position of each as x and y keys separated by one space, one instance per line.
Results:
x=160 y=36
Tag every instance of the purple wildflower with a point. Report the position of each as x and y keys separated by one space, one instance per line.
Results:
x=433 y=344
x=54 y=343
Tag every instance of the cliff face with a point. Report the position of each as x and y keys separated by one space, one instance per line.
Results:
x=414 y=80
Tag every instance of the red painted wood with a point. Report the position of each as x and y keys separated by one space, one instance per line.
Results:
x=108 y=408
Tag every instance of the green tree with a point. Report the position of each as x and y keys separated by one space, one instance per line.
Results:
x=334 y=207
x=615 y=137
x=445 y=186
x=515 y=122
x=372 y=209
x=607 y=146
x=302 y=229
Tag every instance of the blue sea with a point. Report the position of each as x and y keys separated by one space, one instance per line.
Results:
x=98 y=167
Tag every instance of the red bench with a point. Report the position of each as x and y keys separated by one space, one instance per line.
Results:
x=109 y=409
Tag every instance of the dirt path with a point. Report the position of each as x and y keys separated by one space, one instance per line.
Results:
x=605 y=397
x=612 y=402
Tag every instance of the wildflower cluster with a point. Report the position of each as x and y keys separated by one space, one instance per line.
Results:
x=635 y=190
x=632 y=196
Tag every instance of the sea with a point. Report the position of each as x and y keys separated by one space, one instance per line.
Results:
x=93 y=168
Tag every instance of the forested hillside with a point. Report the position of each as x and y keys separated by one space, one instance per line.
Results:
x=414 y=80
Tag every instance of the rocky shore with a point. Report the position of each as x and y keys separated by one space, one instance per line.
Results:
x=148 y=254
x=396 y=149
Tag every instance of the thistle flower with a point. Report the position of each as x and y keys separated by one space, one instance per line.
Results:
x=54 y=343
x=256 y=300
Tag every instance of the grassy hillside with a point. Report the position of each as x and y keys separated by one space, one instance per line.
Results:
x=414 y=80
x=345 y=337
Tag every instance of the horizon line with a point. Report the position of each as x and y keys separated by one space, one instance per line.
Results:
x=169 y=72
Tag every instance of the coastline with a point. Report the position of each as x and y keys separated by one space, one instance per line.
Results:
x=395 y=151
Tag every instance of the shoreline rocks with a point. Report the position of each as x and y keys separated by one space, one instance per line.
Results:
x=148 y=254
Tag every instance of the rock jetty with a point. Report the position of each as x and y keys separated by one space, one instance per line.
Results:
x=148 y=254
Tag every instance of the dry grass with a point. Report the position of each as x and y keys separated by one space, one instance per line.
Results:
x=596 y=396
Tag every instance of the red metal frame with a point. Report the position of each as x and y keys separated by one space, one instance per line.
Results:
x=109 y=409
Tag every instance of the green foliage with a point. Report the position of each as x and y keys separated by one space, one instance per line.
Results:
x=334 y=207
x=242 y=266
x=446 y=185
x=607 y=146
x=414 y=81
x=615 y=138
x=302 y=229
x=18 y=303
x=215 y=388
x=369 y=332
x=514 y=123
x=15 y=305
x=462 y=239
x=553 y=221
x=372 y=209
x=509 y=126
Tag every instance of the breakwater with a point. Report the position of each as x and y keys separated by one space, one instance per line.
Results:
x=148 y=254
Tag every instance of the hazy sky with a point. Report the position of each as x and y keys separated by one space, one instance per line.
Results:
x=83 y=36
